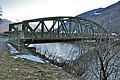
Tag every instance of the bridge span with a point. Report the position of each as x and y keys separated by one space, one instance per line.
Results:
x=55 y=29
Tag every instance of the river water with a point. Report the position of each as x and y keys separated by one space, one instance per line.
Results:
x=64 y=50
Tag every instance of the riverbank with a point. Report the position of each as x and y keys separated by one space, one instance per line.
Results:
x=22 y=69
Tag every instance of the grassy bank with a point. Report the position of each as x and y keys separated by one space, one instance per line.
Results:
x=20 y=69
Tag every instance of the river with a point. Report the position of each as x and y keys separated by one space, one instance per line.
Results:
x=64 y=50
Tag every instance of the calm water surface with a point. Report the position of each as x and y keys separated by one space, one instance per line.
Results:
x=64 y=50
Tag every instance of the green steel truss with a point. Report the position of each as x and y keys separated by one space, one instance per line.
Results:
x=55 y=28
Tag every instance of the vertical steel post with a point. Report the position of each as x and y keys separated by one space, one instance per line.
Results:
x=42 y=29
x=58 y=30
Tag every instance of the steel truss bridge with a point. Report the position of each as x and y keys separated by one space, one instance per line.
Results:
x=55 y=29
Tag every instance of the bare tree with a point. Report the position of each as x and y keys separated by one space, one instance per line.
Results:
x=105 y=62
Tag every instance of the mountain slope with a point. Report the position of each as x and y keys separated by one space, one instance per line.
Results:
x=108 y=17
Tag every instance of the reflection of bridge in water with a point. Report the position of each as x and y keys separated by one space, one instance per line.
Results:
x=55 y=29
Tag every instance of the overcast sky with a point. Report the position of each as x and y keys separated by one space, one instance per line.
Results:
x=18 y=10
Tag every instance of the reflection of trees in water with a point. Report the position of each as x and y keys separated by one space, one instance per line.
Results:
x=64 y=50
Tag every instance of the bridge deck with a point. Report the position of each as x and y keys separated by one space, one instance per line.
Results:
x=51 y=40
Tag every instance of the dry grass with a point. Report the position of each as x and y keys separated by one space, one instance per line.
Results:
x=19 y=69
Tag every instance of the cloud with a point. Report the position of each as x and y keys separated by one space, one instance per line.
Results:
x=30 y=9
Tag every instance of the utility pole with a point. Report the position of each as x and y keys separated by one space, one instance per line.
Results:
x=0 y=10
x=1 y=15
